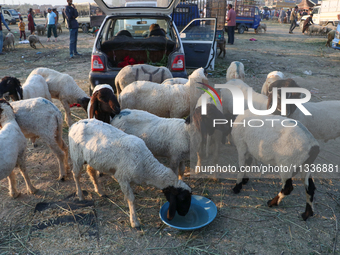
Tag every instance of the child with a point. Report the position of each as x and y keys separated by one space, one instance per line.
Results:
x=21 y=26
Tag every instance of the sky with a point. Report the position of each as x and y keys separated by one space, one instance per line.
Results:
x=40 y=2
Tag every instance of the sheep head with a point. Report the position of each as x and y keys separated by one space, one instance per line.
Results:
x=104 y=105
x=10 y=86
x=235 y=71
x=281 y=84
x=179 y=200
x=4 y=105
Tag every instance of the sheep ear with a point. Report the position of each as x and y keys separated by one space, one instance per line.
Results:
x=172 y=206
x=19 y=92
x=93 y=107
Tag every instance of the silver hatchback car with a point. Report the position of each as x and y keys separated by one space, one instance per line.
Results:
x=124 y=38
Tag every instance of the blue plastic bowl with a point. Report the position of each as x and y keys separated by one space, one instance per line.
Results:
x=202 y=211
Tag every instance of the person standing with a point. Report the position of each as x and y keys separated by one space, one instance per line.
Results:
x=71 y=15
x=293 y=18
x=231 y=18
x=2 y=20
x=57 y=14
x=282 y=15
x=64 y=16
x=288 y=14
x=31 y=24
x=51 y=21
x=307 y=23
x=21 y=26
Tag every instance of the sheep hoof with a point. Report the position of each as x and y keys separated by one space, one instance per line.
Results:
x=101 y=174
x=138 y=228
x=35 y=145
x=61 y=179
x=307 y=213
x=15 y=195
x=245 y=180
x=104 y=196
x=272 y=202
x=237 y=188
x=33 y=191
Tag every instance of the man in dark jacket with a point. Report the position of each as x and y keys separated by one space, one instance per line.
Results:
x=71 y=15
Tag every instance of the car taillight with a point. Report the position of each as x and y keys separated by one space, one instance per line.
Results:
x=178 y=63
x=97 y=64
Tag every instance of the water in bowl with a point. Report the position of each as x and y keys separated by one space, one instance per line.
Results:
x=196 y=216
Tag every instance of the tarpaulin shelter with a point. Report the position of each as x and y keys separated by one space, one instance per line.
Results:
x=306 y=4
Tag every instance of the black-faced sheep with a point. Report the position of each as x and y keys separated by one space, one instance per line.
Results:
x=126 y=157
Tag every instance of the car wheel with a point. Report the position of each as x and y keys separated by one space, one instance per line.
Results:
x=84 y=28
x=241 y=29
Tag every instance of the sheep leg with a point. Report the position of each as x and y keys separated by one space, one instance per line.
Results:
x=68 y=118
x=310 y=188
x=12 y=185
x=128 y=193
x=244 y=159
x=76 y=175
x=174 y=165
x=93 y=176
x=61 y=157
x=23 y=171
x=287 y=188
x=181 y=170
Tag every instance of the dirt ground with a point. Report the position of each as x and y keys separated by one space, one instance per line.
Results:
x=54 y=222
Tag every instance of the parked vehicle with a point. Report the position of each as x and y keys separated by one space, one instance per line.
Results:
x=11 y=16
x=184 y=13
x=89 y=16
x=336 y=40
x=111 y=51
x=326 y=13
x=247 y=16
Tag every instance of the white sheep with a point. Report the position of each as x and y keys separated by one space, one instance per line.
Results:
x=290 y=147
x=173 y=81
x=164 y=100
x=235 y=71
x=141 y=72
x=126 y=157
x=12 y=150
x=64 y=88
x=40 y=118
x=271 y=77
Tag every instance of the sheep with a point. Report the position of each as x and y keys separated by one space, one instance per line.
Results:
x=235 y=71
x=104 y=104
x=127 y=158
x=164 y=100
x=141 y=72
x=64 y=88
x=9 y=41
x=330 y=38
x=172 y=81
x=221 y=45
x=262 y=26
x=33 y=39
x=40 y=118
x=41 y=29
x=271 y=77
x=12 y=150
x=315 y=29
x=58 y=26
x=276 y=146
x=35 y=86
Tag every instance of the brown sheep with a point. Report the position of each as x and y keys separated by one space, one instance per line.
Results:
x=330 y=37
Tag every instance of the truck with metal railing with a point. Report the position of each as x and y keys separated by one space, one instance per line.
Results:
x=247 y=15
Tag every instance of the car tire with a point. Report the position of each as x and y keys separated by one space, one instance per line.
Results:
x=84 y=28
x=241 y=29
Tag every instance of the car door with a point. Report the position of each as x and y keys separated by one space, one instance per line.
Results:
x=199 y=43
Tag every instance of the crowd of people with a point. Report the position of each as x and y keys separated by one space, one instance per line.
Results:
x=69 y=13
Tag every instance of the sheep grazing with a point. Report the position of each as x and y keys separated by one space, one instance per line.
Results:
x=164 y=100
x=330 y=37
x=276 y=146
x=271 y=77
x=172 y=81
x=64 y=88
x=12 y=151
x=9 y=41
x=35 y=86
x=127 y=158
x=235 y=71
x=40 y=118
x=104 y=104
x=33 y=39
x=58 y=26
x=262 y=26
x=41 y=29
x=141 y=72
x=318 y=30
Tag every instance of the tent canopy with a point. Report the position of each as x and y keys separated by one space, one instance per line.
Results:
x=306 y=4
